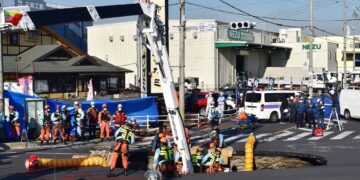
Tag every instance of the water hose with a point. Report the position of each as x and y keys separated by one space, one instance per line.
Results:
x=34 y=162
x=249 y=153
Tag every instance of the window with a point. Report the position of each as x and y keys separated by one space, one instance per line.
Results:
x=69 y=85
x=102 y=85
x=32 y=35
x=277 y=97
x=253 y=97
x=113 y=82
x=41 y=86
x=55 y=85
x=14 y=39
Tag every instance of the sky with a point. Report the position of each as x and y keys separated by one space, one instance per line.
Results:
x=325 y=12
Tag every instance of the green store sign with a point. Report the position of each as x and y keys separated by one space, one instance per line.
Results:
x=237 y=34
x=314 y=46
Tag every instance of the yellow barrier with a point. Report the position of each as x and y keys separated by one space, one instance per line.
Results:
x=249 y=153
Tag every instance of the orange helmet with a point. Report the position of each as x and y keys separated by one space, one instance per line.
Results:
x=163 y=140
x=212 y=145
x=161 y=135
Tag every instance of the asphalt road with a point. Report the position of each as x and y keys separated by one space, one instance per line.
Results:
x=341 y=149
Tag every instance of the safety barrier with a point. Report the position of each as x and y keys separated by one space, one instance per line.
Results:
x=249 y=153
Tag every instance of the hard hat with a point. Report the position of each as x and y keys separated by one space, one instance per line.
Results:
x=309 y=98
x=133 y=119
x=47 y=107
x=211 y=145
x=332 y=92
x=119 y=105
x=241 y=94
x=76 y=103
x=92 y=103
x=291 y=97
x=318 y=100
x=63 y=106
x=286 y=111
x=161 y=135
x=229 y=98
x=213 y=134
x=221 y=93
x=104 y=106
x=163 y=140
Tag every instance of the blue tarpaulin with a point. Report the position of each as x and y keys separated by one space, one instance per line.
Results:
x=137 y=107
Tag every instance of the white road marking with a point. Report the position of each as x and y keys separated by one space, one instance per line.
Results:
x=286 y=133
x=235 y=137
x=342 y=135
x=305 y=129
x=357 y=137
x=257 y=137
x=326 y=133
x=299 y=136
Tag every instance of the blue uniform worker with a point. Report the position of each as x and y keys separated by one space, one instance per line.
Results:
x=300 y=109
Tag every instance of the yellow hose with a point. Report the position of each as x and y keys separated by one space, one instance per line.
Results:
x=249 y=153
x=33 y=162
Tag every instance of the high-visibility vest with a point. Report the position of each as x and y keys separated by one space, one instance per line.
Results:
x=214 y=157
x=125 y=134
x=165 y=154
x=196 y=158
x=47 y=118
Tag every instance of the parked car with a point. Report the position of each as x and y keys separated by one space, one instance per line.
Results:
x=349 y=101
x=266 y=104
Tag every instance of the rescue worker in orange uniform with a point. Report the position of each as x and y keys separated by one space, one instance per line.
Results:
x=120 y=116
x=13 y=118
x=104 y=119
x=123 y=137
x=58 y=119
x=46 y=125
x=92 y=116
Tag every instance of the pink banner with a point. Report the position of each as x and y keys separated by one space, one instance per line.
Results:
x=26 y=83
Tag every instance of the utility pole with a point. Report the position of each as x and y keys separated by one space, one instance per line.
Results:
x=311 y=68
x=354 y=57
x=182 y=59
x=344 y=50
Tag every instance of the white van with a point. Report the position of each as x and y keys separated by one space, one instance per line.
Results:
x=349 y=101
x=266 y=104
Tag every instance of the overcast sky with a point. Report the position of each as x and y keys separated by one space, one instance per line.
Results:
x=326 y=11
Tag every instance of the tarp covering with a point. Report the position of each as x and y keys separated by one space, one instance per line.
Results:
x=140 y=108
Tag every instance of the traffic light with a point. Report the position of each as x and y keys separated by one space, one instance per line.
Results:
x=242 y=25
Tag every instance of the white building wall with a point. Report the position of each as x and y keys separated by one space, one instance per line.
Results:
x=120 y=53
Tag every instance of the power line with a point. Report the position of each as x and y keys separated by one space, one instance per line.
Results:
x=264 y=17
x=259 y=18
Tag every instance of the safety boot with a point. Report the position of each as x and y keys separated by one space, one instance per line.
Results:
x=55 y=141
x=47 y=142
x=111 y=173
x=125 y=172
x=41 y=142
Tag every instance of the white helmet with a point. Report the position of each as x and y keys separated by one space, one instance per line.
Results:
x=212 y=104
x=92 y=103
x=76 y=103
x=63 y=107
x=291 y=97
x=286 y=111
x=241 y=94
x=332 y=92
x=119 y=106
x=229 y=98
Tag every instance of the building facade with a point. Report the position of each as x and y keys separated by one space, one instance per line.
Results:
x=215 y=56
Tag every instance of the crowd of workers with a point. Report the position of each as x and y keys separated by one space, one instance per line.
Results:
x=60 y=122
x=304 y=111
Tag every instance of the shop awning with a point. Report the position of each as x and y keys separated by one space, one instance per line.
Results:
x=248 y=45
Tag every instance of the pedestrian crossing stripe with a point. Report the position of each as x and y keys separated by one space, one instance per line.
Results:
x=284 y=134
x=257 y=137
x=342 y=135
x=299 y=136
x=326 y=133
x=235 y=137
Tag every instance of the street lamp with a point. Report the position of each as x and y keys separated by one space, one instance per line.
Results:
x=17 y=59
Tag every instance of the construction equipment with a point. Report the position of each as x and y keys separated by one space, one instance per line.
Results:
x=152 y=34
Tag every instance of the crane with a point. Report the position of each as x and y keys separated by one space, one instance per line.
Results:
x=152 y=34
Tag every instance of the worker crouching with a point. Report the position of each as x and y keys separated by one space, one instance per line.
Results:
x=213 y=160
x=123 y=137
x=164 y=158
